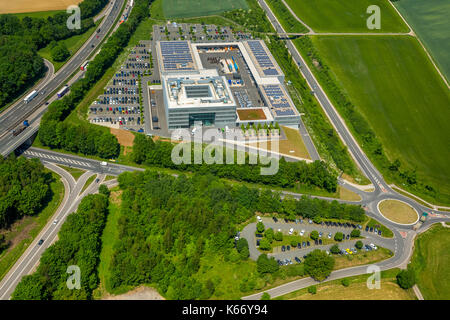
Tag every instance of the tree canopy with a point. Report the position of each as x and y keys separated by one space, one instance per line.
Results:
x=318 y=264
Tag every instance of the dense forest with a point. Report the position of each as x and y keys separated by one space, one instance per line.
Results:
x=167 y=224
x=78 y=244
x=20 y=39
x=290 y=174
x=79 y=138
x=24 y=186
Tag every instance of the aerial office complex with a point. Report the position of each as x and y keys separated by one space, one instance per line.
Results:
x=223 y=84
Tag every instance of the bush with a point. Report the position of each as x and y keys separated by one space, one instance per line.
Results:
x=264 y=244
x=242 y=248
x=265 y=296
x=60 y=52
x=359 y=244
x=335 y=249
x=269 y=234
x=293 y=243
x=406 y=279
x=355 y=233
x=266 y=265
x=314 y=235
x=279 y=236
x=345 y=282
x=318 y=264
x=312 y=289
x=338 y=236
x=260 y=227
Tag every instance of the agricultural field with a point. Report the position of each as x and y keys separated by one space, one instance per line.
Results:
x=17 y=6
x=198 y=8
x=394 y=85
x=431 y=262
x=430 y=22
x=345 y=16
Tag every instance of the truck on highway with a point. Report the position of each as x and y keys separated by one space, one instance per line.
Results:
x=84 y=66
x=63 y=91
x=20 y=128
x=31 y=96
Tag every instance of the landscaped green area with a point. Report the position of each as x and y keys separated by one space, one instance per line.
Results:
x=431 y=263
x=345 y=16
x=88 y=183
x=72 y=44
x=391 y=81
x=22 y=234
x=385 y=232
x=197 y=8
x=75 y=172
x=356 y=289
x=431 y=23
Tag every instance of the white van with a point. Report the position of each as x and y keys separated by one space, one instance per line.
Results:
x=103 y=163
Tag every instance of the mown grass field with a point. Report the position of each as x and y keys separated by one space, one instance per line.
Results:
x=431 y=262
x=398 y=211
x=430 y=22
x=396 y=88
x=198 y=8
x=345 y=16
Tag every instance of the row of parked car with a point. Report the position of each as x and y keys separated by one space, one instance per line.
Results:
x=120 y=91
x=375 y=230
x=324 y=223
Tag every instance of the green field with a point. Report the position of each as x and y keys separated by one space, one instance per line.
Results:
x=345 y=16
x=430 y=22
x=38 y=14
x=431 y=262
x=198 y=8
x=393 y=84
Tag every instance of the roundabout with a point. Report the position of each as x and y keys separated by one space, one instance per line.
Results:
x=398 y=212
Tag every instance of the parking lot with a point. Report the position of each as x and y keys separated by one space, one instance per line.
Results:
x=198 y=33
x=120 y=106
x=304 y=228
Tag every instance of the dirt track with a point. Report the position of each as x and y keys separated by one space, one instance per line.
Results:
x=18 y=6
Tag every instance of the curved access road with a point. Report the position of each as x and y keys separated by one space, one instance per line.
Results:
x=28 y=261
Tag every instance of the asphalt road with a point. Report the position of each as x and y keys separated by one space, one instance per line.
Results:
x=14 y=115
x=30 y=258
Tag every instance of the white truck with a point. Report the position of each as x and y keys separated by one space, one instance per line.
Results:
x=103 y=163
x=31 y=96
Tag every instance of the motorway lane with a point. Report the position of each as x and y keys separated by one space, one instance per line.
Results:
x=32 y=255
x=16 y=113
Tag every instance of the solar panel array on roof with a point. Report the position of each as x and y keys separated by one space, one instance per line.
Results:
x=278 y=100
x=176 y=55
x=262 y=58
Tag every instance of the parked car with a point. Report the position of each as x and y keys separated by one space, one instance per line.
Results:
x=291 y=231
x=283 y=248
x=297 y=260
x=367 y=228
x=258 y=218
x=275 y=219
x=379 y=232
x=329 y=235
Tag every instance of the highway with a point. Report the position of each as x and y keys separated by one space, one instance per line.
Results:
x=30 y=258
x=16 y=113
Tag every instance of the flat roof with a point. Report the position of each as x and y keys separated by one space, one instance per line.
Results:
x=278 y=100
x=198 y=90
x=176 y=56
